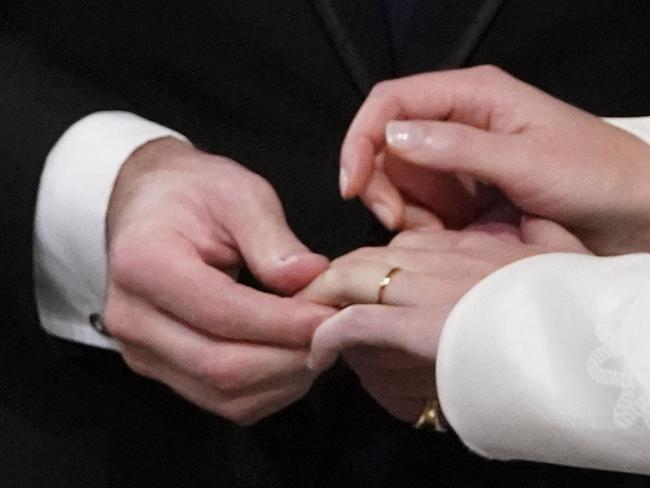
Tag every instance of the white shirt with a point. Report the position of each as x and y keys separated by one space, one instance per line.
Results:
x=548 y=359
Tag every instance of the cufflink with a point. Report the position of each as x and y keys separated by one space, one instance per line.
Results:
x=97 y=322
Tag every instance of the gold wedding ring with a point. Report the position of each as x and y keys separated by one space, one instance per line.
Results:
x=431 y=417
x=385 y=282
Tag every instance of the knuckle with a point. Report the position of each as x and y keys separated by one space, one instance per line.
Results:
x=470 y=267
x=453 y=144
x=406 y=238
x=259 y=185
x=250 y=409
x=245 y=419
x=118 y=321
x=331 y=277
x=220 y=373
x=487 y=73
x=473 y=240
x=241 y=413
x=220 y=318
x=385 y=94
x=128 y=257
x=338 y=280
x=257 y=188
x=300 y=391
x=135 y=362
x=382 y=89
x=355 y=314
x=336 y=275
x=477 y=269
x=304 y=324
x=253 y=191
x=365 y=252
x=122 y=258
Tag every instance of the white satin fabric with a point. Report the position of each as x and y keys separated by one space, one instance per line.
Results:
x=548 y=359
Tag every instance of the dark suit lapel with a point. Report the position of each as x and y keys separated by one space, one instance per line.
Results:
x=359 y=32
x=444 y=33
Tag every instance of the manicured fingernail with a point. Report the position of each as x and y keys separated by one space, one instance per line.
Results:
x=343 y=182
x=404 y=135
x=382 y=212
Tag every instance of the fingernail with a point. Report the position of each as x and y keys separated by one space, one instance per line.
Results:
x=343 y=182
x=291 y=258
x=382 y=212
x=404 y=135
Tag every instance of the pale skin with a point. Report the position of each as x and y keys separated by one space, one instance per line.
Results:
x=177 y=232
x=476 y=126
x=392 y=347
x=549 y=158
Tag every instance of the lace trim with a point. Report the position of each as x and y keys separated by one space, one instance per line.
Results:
x=606 y=366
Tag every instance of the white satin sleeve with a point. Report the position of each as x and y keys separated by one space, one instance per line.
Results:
x=548 y=359
x=69 y=234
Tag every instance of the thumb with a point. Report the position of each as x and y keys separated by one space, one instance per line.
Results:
x=272 y=252
x=493 y=158
x=549 y=234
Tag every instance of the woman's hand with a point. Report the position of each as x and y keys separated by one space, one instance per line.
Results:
x=392 y=346
x=549 y=158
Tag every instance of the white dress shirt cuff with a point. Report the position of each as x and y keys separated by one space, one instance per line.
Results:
x=69 y=234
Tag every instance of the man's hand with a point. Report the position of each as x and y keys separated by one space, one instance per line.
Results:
x=549 y=158
x=392 y=346
x=180 y=223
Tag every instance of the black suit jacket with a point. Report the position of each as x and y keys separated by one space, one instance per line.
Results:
x=272 y=84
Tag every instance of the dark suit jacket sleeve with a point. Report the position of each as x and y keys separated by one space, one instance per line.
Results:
x=37 y=103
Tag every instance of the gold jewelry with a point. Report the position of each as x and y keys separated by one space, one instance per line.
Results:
x=385 y=282
x=431 y=417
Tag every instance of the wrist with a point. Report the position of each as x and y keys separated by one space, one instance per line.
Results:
x=631 y=228
x=152 y=152
x=142 y=161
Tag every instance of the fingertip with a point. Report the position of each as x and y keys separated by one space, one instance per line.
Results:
x=384 y=215
x=344 y=183
x=321 y=362
x=323 y=353
x=547 y=233
x=357 y=162
x=388 y=211
x=347 y=163
x=290 y=259
x=315 y=315
x=384 y=201
x=406 y=137
x=417 y=217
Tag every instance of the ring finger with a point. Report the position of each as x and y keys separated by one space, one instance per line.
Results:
x=369 y=282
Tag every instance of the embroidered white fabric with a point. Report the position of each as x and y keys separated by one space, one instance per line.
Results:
x=548 y=360
x=608 y=365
